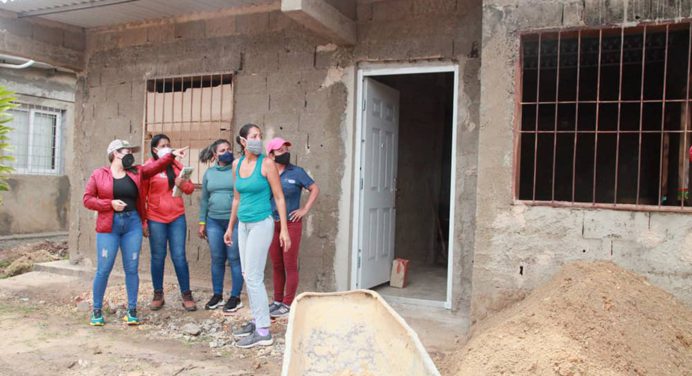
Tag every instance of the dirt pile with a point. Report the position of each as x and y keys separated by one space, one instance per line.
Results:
x=590 y=319
x=21 y=259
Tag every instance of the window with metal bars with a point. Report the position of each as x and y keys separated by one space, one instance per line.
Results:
x=192 y=111
x=605 y=117
x=35 y=140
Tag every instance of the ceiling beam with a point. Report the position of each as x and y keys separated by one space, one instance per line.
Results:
x=72 y=7
x=322 y=18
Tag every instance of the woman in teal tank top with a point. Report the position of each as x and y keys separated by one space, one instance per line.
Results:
x=256 y=181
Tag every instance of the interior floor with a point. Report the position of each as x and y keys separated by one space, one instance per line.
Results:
x=424 y=282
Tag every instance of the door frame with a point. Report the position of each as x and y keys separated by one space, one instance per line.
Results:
x=389 y=69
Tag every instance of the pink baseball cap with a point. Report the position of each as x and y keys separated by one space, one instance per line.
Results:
x=276 y=143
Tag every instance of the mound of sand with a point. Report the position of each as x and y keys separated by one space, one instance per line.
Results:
x=26 y=263
x=590 y=319
x=21 y=258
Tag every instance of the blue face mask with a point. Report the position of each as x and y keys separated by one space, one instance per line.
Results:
x=226 y=158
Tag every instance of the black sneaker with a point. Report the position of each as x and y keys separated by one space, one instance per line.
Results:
x=232 y=304
x=215 y=302
x=282 y=311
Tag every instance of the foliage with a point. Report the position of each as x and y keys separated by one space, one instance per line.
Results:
x=6 y=104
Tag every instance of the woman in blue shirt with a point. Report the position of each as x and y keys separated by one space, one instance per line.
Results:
x=285 y=264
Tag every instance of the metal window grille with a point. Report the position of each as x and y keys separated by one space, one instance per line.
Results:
x=35 y=140
x=192 y=111
x=604 y=118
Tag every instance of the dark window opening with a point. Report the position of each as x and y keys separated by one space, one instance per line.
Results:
x=605 y=116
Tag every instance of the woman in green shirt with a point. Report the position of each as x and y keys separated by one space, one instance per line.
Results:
x=256 y=181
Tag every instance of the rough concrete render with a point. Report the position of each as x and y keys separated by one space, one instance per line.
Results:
x=292 y=83
x=539 y=239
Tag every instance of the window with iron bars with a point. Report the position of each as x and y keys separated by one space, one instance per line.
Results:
x=605 y=118
x=35 y=140
x=192 y=111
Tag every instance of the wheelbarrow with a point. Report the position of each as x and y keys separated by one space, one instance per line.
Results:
x=352 y=333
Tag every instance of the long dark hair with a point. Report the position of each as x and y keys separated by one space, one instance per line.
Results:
x=170 y=173
x=243 y=133
x=207 y=154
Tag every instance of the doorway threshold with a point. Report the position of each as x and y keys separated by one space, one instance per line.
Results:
x=413 y=301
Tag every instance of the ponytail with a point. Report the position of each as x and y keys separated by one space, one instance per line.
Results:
x=207 y=154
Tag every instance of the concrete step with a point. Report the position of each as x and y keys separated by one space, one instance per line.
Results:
x=64 y=267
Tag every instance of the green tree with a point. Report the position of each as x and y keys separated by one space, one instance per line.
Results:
x=6 y=104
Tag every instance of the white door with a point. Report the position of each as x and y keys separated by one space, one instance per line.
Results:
x=378 y=182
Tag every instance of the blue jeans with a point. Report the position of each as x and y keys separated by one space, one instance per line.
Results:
x=254 y=239
x=162 y=235
x=220 y=252
x=126 y=235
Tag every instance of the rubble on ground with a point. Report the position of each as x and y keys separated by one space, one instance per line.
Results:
x=211 y=328
x=21 y=259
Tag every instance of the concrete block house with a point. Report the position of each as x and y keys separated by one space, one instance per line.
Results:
x=488 y=142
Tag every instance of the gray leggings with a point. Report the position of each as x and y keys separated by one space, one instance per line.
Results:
x=254 y=239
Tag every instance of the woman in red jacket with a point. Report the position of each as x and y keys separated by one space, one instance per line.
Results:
x=166 y=223
x=115 y=192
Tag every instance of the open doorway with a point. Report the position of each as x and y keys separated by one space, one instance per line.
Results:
x=409 y=216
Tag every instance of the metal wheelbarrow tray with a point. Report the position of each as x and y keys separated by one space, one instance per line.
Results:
x=353 y=333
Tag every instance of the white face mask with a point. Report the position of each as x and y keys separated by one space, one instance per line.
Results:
x=254 y=146
x=163 y=152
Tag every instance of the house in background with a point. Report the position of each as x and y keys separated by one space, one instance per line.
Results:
x=488 y=142
x=38 y=202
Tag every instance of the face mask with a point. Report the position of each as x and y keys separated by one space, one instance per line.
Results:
x=254 y=146
x=163 y=152
x=128 y=161
x=226 y=158
x=283 y=159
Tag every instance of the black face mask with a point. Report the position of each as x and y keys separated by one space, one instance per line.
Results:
x=128 y=161
x=283 y=159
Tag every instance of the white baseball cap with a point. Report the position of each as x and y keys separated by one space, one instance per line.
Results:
x=120 y=144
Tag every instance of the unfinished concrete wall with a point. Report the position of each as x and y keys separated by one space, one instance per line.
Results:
x=277 y=86
x=41 y=40
x=40 y=203
x=517 y=246
x=35 y=204
x=292 y=84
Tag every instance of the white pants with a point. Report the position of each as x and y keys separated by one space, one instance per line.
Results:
x=254 y=239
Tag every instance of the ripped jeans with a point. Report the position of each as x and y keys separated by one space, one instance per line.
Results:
x=126 y=235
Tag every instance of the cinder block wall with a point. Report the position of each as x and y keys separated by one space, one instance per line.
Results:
x=541 y=239
x=42 y=40
x=294 y=84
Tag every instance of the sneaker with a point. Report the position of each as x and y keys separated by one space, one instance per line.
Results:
x=158 y=301
x=245 y=330
x=131 y=317
x=215 y=302
x=282 y=311
x=274 y=306
x=189 y=302
x=232 y=304
x=255 y=339
x=97 y=318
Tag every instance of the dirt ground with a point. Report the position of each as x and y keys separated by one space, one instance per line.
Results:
x=43 y=321
x=590 y=319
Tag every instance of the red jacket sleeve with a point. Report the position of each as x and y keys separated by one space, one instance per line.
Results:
x=91 y=199
x=150 y=169
x=144 y=197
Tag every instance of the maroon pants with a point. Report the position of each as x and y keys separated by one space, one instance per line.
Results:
x=285 y=264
